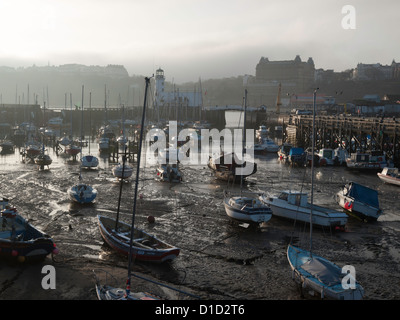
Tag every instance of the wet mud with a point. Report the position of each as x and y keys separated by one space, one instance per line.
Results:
x=219 y=259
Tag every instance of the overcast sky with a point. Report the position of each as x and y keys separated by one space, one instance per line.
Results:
x=196 y=39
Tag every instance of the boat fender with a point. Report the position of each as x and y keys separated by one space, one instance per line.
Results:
x=14 y=253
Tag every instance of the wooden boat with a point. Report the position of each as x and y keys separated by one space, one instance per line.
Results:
x=321 y=275
x=126 y=238
x=145 y=247
x=360 y=201
x=19 y=239
x=294 y=205
x=227 y=170
x=390 y=175
x=312 y=271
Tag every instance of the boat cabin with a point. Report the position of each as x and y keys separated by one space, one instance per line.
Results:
x=294 y=198
x=393 y=172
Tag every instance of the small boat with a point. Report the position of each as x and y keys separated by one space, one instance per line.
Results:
x=32 y=150
x=321 y=275
x=294 y=205
x=390 y=175
x=43 y=160
x=297 y=157
x=246 y=209
x=19 y=239
x=89 y=161
x=7 y=146
x=145 y=246
x=82 y=193
x=261 y=132
x=64 y=141
x=169 y=173
x=366 y=161
x=340 y=156
x=122 y=171
x=104 y=144
x=283 y=152
x=72 y=150
x=360 y=201
x=227 y=171
x=326 y=157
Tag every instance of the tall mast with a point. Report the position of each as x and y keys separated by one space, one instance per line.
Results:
x=312 y=168
x=136 y=186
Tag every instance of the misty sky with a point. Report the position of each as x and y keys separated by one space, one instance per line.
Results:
x=196 y=39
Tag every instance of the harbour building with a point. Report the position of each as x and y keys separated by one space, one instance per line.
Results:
x=286 y=77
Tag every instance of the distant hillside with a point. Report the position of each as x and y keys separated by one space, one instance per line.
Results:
x=54 y=85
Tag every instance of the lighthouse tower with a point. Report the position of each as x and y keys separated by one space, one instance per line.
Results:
x=159 y=90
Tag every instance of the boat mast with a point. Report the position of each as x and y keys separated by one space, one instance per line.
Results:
x=243 y=136
x=128 y=283
x=312 y=169
x=80 y=171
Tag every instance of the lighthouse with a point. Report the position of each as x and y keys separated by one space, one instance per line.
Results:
x=159 y=90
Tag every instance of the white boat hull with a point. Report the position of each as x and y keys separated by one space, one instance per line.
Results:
x=321 y=216
x=256 y=213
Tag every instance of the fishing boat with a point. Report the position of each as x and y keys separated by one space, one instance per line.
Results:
x=126 y=238
x=360 y=201
x=314 y=272
x=81 y=192
x=390 y=175
x=326 y=156
x=283 y=152
x=294 y=205
x=225 y=166
x=366 y=161
x=19 y=239
x=297 y=157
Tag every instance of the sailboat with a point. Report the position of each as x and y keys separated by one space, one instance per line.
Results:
x=82 y=192
x=89 y=161
x=317 y=273
x=126 y=238
x=43 y=159
x=241 y=208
